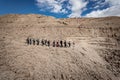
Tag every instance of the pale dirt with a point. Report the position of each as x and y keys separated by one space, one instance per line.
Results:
x=95 y=56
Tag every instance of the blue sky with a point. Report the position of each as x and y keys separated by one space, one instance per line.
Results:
x=62 y=8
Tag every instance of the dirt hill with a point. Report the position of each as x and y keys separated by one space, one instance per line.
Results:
x=95 y=55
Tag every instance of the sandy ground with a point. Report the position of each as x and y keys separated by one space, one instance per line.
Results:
x=95 y=56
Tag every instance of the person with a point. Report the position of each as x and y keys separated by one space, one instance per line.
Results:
x=65 y=44
x=45 y=41
x=73 y=45
x=48 y=42
x=33 y=41
x=69 y=44
x=61 y=43
x=42 y=42
x=28 y=41
x=57 y=44
x=37 y=41
x=53 y=43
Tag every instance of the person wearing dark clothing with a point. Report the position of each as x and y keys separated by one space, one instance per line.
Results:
x=48 y=43
x=28 y=41
x=42 y=42
x=57 y=44
x=69 y=44
x=45 y=41
x=61 y=43
x=65 y=44
x=53 y=43
x=33 y=41
x=38 y=42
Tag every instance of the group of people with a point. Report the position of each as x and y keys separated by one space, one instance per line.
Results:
x=45 y=42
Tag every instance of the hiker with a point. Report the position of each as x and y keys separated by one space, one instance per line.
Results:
x=48 y=42
x=28 y=41
x=38 y=42
x=69 y=44
x=65 y=44
x=61 y=43
x=33 y=41
x=42 y=42
x=73 y=44
x=57 y=44
x=53 y=43
x=45 y=42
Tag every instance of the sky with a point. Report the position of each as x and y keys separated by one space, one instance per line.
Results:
x=62 y=8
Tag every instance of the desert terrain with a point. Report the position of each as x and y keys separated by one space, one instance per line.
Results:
x=95 y=55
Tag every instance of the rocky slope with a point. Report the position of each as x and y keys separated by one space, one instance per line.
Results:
x=95 y=56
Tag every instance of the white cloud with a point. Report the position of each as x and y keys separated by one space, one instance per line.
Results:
x=52 y=5
x=76 y=7
x=113 y=2
x=113 y=10
x=106 y=12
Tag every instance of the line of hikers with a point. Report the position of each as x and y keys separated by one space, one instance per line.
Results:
x=45 y=42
